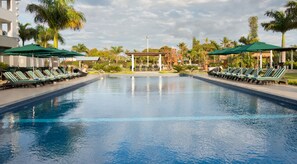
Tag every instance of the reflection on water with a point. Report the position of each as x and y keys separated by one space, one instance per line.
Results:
x=150 y=120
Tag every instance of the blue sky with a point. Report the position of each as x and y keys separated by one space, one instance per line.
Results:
x=166 y=22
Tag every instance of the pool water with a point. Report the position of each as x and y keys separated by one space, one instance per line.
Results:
x=150 y=120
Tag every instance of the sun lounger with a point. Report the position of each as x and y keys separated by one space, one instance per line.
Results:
x=41 y=75
x=243 y=75
x=15 y=82
x=239 y=72
x=64 y=76
x=230 y=74
x=267 y=74
x=254 y=74
x=32 y=75
x=70 y=75
x=276 y=77
x=22 y=76
x=221 y=73
x=49 y=74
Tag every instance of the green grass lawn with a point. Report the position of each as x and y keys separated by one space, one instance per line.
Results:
x=292 y=78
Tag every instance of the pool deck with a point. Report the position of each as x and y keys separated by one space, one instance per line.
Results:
x=275 y=92
x=16 y=97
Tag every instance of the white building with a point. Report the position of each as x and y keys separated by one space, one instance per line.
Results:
x=9 y=35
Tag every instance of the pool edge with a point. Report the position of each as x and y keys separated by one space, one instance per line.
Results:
x=274 y=98
x=13 y=105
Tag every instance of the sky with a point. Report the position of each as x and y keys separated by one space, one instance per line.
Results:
x=166 y=22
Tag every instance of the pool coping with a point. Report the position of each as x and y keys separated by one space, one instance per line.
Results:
x=35 y=98
x=281 y=100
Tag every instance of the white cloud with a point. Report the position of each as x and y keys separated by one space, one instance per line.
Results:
x=167 y=22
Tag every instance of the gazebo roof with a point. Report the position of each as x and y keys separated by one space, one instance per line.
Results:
x=145 y=53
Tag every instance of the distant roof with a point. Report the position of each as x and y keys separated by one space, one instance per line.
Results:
x=145 y=53
x=84 y=58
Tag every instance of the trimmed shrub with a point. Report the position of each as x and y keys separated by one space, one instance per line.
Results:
x=192 y=67
x=99 y=66
x=3 y=66
x=178 y=68
x=107 y=68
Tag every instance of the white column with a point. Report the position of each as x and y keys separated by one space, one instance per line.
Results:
x=160 y=62
x=11 y=59
x=270 y=59
x=132 y=69
x=260 y=59
x=292 y=59
x=33 y=64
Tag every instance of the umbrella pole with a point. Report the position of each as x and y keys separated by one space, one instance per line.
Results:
x=260 y=59
x=270 y=58
x=33 y=61
x=292 y=60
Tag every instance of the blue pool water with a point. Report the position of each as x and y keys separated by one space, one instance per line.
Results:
x=150 y=120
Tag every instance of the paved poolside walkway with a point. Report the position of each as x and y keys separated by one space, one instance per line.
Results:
x=12 y=96
x=287 y=93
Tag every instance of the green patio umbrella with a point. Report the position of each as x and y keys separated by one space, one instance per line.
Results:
x=64 y=53
x=221 y=52
x=258 y=47
x=29 y=50
x=70 y=54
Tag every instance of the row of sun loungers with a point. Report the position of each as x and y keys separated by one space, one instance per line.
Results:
x=30 y=78
x=251 y=75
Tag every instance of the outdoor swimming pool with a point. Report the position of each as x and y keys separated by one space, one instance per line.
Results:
x=150 y=120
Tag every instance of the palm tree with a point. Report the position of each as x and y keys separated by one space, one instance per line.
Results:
x=44 y=35
x=183 y=49
x=58 y=14
x=292 y=10
x=226 y=43
x=116 y=50
x=80 y=47
x=26 y=33
x=282 y=23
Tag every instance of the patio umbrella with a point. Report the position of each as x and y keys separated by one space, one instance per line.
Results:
x=28 y=50
x=226 y=51
x=258 y=47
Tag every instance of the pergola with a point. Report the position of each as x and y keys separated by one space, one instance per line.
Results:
x=133 y=54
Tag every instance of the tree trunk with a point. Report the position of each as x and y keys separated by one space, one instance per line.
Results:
x=23 y=42
x=56 y=38
x=283 y=45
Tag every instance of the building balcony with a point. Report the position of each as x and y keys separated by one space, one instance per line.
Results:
x=8 y=42
x=7 y=15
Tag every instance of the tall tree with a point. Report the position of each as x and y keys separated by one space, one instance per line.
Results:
x=226 y=43
x=253 y=33
x=183 y=49
x=282 y=22
x=44 y=35
x=26 y=32
x=291 y=9
x=215 y=44
x=58 y=14
x=253 y=24
x=80 y=47
x=116 y=50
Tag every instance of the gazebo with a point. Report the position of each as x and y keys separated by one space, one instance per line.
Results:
x=133 y=54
